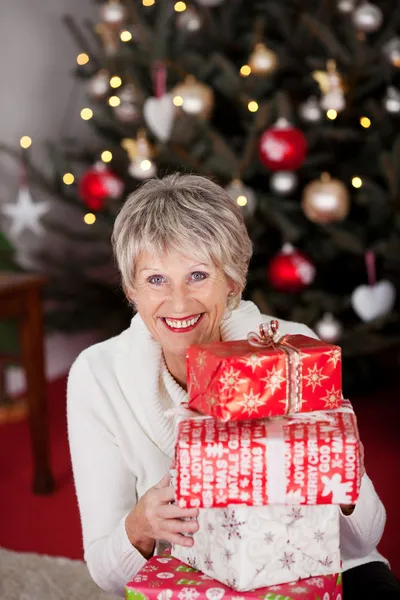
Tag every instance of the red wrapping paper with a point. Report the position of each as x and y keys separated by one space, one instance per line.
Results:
x=310 y=458
x=263 y=376
x=167 y=578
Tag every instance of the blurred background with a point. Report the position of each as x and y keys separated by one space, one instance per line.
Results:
x=293 y=107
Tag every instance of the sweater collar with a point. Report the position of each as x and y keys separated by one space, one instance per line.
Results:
x=148 y=383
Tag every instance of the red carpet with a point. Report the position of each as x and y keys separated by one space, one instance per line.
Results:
x=50 y=524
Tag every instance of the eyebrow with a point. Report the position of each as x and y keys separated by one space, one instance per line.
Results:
x=159 y=269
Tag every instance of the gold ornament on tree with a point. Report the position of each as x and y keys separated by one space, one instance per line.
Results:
x=332 y=87
x=263 y=60
x=326 y=200
x=194 y=97
x=140 y=155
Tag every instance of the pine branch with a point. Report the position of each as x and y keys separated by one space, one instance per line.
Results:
x=330 y=41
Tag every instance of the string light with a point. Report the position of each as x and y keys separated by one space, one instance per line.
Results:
x=145 y=164
x=180 y=6
x=241 y=200
x=331 y=114
x=68 y=178
x=252 y=106
x=106 y=156
x=365 y=122
x=245 y=70
x=115 y=81
x=86 y=114
x=356 y=182
x=25 y=141
x=148 y=2
x=114 y=101
x=125 y=36
x=178 y=100
x=82 y=59
x=89 y=218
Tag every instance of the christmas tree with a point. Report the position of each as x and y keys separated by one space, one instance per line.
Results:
x=294 y=108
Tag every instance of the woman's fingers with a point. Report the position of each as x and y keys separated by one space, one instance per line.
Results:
x=164 y=482
x=178 y=526
x=178 y=539
x=172 y=511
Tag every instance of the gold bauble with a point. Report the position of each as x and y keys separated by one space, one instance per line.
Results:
x=263 y=61
x=194 y=97
x=326 y=200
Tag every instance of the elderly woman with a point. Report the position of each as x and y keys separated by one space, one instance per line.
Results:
x=183 y=252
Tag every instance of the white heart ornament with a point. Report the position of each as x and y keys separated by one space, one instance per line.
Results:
x=159 y=116
x=372 y=301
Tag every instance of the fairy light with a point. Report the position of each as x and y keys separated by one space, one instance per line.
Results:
x=245 y=70
x=82 y=59
x=68 y=178
x=145 y=164
x=365 y=122
x=125 y=36
x=25 y=141
x=106 y=156
x=86 y=114
x=89 y=218
x=178 y=100
x=252 y=106
x=241 y=200
x=115 y=81
x=148 y=2
x=114 y=101
x=331 y=114
x=356 y=182
x=180 y=6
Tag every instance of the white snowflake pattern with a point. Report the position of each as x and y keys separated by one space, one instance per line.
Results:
x=314 y=377
x=187 y=593
x=244 y=482
x=274 y=379
x=231 y=524
x=295 y=514
x=317 y=582
x=253 y=361
x=334 y=356
x=201 y=360
x=318 y=535
x=231 y=380
x=333 y=398
x=196 y=488
x=251 y=402
x=287 y=560
x=244 y=496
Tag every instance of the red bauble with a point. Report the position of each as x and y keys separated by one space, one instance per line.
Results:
x=97 y=185
x=282 y=147
x=290 y=270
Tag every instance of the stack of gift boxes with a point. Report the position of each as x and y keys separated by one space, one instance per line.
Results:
x=269 y=454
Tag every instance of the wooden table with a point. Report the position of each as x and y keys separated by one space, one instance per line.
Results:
x=20 y=298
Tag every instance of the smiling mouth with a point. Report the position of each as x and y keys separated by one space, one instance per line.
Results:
x=182 y=325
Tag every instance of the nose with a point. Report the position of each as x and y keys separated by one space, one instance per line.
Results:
x=179 y=300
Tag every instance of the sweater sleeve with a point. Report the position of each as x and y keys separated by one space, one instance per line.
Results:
x=105 y=486
x=361 y=531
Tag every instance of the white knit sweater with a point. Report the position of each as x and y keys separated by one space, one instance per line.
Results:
x=122 y=444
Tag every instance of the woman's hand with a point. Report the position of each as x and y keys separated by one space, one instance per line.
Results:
x=155 y=518
x=347 y=509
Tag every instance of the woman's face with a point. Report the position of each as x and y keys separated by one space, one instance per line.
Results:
x=181 y=300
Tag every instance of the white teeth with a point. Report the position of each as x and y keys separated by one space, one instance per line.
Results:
x=182 y=324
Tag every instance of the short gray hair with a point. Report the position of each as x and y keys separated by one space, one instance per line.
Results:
x=184 y=213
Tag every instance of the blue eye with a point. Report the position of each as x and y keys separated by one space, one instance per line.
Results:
x=155 y=279
x=199 y=275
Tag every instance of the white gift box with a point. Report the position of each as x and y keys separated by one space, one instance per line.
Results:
x=247 y=547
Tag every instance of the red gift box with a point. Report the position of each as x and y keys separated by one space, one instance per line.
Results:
x=263 y=376
x=311 y=458
x=166 y=578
